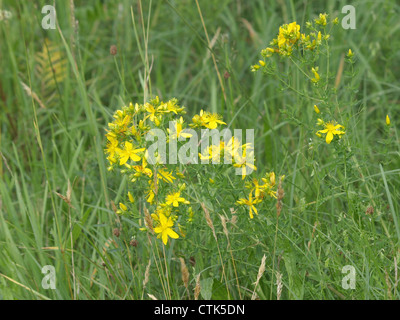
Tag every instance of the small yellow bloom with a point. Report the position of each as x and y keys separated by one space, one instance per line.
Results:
x=331 y=129
x=350 y=54
x=150 y=196
x=316 y=109
x=165 y=176
x=214 y=153
x=267 y=52
x=322 y=19
x=178 y=130
x=387 y=120
x=130 y=196
x=213 y=120
x=262 y=63
x=241 y=162
x=250 y=203
x=123 y=207
x=112 y=146
x=175 y=199
x=142 y=170
x=122 y=121
x=316 y=75
x=165 y=228
x=269 y=184
x=129 y=153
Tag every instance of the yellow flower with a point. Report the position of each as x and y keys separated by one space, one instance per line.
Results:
x=209 y=120
x=112 y=146
x=287 y=37
x=331 y=129
x=272 y=178
x=122 y=121
x=177 y=133
x=268 y=52
x=165 y=176
x=130 y=196
x=322 y=19
x=350 y=54
x=316 y=109
x=175 y=199
x=129 y=153
x=214 y=153
x=250 y=203
x=387 y=120
x=199 y=120
x=152 y=113
x=164 y=228
x=150 y=196
x=123 y=207
x=142 y=170
x=254 y=68
x=316 y=75
x=213 y=120
x=171 y=106
x=269 y=183
x=262 y=63
x=242 y=162
x=231 y=150
x=257 y=188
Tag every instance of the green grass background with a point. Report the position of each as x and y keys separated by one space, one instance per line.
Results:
x=43 y=148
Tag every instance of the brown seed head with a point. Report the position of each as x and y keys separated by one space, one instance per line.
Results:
x=116 y=232
x=113 y=50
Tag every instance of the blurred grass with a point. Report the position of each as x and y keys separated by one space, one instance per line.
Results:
x=43 y=148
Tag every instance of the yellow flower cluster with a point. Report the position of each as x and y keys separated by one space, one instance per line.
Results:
x=127 y=149
x=260 y=190
x=233 y=152
x=162 y=187
x=290 y=38
x=206 y=120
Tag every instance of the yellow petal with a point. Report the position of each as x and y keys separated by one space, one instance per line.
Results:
x=123 y=160
x=172 y=234
x=135 y=157
x=164 y=237
x=329 y=137
x=158 y=230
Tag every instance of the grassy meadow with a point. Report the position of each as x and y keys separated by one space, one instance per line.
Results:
x=338 y=204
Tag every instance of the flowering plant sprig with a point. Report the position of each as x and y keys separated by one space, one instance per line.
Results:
x=159 y=192
x=309 y=53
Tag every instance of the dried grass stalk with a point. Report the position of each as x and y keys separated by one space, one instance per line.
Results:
x=261 y=271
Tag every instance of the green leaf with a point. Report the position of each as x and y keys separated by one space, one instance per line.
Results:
x=206 y=286
x=219 y=291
